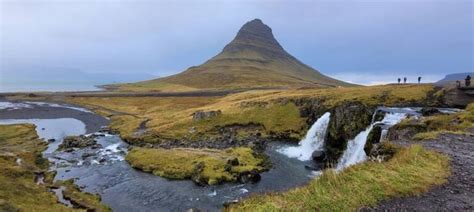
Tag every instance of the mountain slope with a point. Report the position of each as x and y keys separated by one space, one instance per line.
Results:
x=254 y=59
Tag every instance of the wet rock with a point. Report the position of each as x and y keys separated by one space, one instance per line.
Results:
x=51 y=140
x=347 y=120
x=88 y=154
x=309 y=108
x=77 y=142
x=428 y=111
x=373 y=138
x=249 y=177
x=200 y=115
x=379 y=115
x=196 y=176
x=406 y=130
x=319 y=156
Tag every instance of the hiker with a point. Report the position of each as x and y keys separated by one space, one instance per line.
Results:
x=419 y=80
x=458 y=83
x=468 y=81
x=399 y=81
x=404 y=80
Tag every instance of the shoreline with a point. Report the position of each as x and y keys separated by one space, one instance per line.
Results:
x=93 y=122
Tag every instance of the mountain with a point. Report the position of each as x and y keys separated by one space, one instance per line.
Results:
x=254 y=59
x=452 y=78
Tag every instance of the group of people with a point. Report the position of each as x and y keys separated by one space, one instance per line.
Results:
x=405 y=80
x=467 y=81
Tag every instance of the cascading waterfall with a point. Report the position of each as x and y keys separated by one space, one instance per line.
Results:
x=314 y=140
x=355 y=148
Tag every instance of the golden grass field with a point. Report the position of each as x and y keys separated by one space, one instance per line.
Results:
x=172 y=116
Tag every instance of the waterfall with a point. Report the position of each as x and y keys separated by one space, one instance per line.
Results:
x=314 y=140
x=355 y=148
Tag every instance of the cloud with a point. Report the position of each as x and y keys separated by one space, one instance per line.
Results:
x=144 y=36
x=362 y=78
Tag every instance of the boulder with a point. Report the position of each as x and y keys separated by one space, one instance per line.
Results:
x=319 y=156
x=233 y=162
x=200 y=115
x=70 y=142
x=428 y=111
x=249 y=176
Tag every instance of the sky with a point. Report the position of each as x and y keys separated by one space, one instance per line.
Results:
x=365 y=42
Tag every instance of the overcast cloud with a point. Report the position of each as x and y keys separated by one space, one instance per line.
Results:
x=360 y=41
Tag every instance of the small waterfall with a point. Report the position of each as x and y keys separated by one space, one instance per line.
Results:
x=314 y=140
x=355 y=148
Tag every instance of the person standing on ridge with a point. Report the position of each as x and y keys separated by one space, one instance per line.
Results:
x=468 y=81
x=419 y=80
x=399 y=81
x=405 y=80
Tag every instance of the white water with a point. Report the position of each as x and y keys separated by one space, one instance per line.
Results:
x=355 y=148
x=52 y=129
x=314 y=140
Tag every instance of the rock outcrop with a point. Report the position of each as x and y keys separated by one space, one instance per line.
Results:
x=372 y=139
x=201 y=115
x=406 y=130
x=347 y=120
x=71 y=142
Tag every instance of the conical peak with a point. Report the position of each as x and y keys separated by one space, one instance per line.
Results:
x=255 y=34
x=256 y=28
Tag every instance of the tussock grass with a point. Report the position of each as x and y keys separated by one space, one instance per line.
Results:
x=182 y=163
x=411 y=171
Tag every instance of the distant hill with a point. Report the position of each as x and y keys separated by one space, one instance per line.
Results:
x=452 y=78
x=254 y=59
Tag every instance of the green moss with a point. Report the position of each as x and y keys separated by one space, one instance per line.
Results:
x=411 y=171
x=205 y=165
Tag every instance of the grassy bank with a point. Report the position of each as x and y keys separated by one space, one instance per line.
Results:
x=411 y=171
x=207 y=166
x=172 y=116
x=430 y=127
x=457 y=123
x=20 y=159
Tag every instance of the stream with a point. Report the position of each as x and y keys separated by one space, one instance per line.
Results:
x=104 y=171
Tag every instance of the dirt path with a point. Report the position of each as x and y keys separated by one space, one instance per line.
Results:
x=458 y=193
